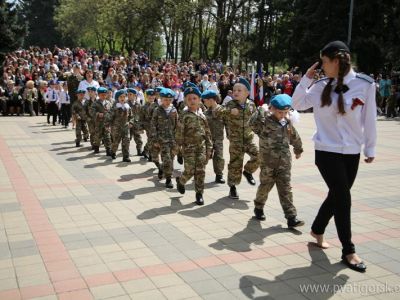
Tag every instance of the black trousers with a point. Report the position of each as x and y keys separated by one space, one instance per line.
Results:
x=339 y=172
x=52 y=110
x=65 y=114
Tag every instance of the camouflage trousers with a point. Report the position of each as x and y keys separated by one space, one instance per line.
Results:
x=101 y=134
x=135 y=134
x=167 y=158
x=147 y=146
x=194 y=165
x=280 y=174
x=218 y=157
x=155 y=150
x=237 y=150
x=91 y=131
x=80 y=127
x=120 y=135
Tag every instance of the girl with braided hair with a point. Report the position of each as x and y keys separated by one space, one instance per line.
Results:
x=345 y=115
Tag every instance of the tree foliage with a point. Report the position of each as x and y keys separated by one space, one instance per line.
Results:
x=12 y=27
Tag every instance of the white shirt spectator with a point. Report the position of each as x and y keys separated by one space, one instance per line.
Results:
x=84 y=84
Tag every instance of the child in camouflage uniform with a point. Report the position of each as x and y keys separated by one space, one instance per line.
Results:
x=99 y=110
x=163 y=128
x=217 y=133
x=118 y=119
x=237 y=113
x=145 y=119
x=78 y=110
x=135 y=130
x=88 y=109
x=276 y=133
x=194 y=136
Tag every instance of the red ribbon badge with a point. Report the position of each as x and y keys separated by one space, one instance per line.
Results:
x=356 y=101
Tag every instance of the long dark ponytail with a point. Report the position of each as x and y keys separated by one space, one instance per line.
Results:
x=344 y=68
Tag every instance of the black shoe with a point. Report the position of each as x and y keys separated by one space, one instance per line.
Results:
x=149 y=158
x=180 y=159
x=360 y=267
x=108 y=152
x=294 y=222
x=233 y=193
x=113 y=156
x=126 y=159
x=139 y=152
x=199 y=199
x=219 y=179
x=249 y=177
x=180 y=187
x=144 y=154
x=168 y=183
x=259 y=214
x=96 y=149
x=78 y=144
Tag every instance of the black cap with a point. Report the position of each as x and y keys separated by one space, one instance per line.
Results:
x=334 y=47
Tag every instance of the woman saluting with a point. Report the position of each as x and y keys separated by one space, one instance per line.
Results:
x=345 y=115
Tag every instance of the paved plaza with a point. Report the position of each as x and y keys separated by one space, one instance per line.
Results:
x=75 y=225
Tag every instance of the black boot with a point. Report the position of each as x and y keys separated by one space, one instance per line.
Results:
x=108 y=152
x=85 y=139
x=180 y=187
x=126 y=159
x=294 y=222
x=78 y=144
x=249 y=178
x=219 y=179
x=144 y=154
x=139 y=152
x=149 y=158
x=93 y=147
x=199 y=199
x=259 y=214
x=113 y=156
x=96 y=149
x=180 y=159
x=233 y=193
x=160 y=171
x=168 y=183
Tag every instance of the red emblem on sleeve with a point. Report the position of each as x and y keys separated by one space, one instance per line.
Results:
x=357 y=101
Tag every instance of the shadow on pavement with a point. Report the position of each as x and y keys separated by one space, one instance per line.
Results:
x=254 y=287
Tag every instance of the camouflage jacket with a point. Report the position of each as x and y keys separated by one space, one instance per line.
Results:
x=118 y=117
x=216 y=124
x=88 y=109
x=193 y=133
x=274 y=137
x=135 y=108
x=238 y=129
x=79 y=110
x=145 y=116
x=100 y=107
x=163 y=125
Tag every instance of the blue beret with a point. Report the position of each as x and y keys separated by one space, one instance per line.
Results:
x=188 y=84
x=91 y=88
x=52 y=82
x=158 y=89
x=192 y=90
x=208 y=94
x=101 y=90
x=131 y=90
x=244 y=82
x=167 y=93
x=80 y=91
x=281 y=101
x=119 y=93
x=149 y=92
